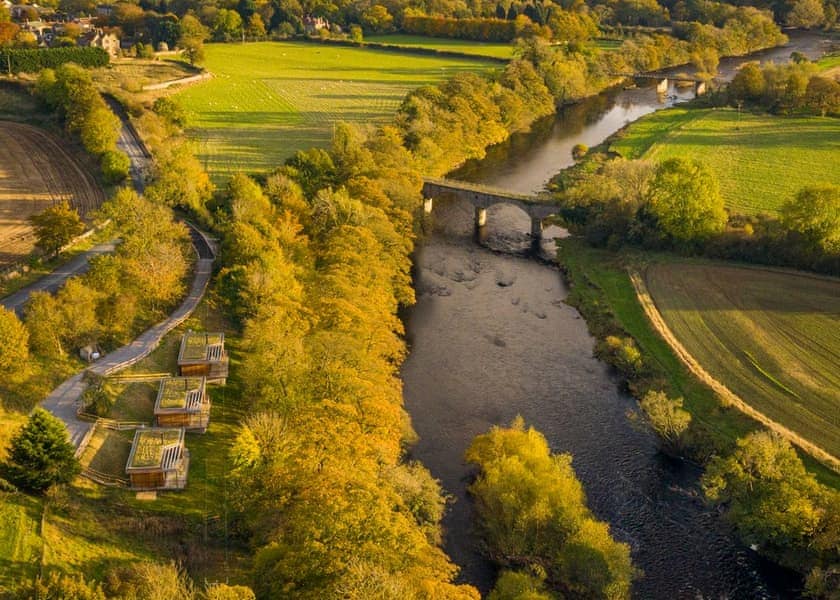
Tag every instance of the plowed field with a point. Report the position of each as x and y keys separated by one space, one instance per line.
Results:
x=771 y=337
x=35 y=173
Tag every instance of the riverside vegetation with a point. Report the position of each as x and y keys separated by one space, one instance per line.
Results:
x=316 y=263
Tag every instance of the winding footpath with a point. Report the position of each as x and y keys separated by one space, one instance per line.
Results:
x=64 y=400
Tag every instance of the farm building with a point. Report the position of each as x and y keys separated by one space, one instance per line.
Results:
x=158 y=459
x=182 y=402
x=203 y=354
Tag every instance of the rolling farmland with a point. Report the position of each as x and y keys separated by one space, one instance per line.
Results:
x=269 y=99
x=760 y=160
x=778 y=351
x=35 y=173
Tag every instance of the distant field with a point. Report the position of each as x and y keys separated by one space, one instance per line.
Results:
x=269 y=99
x=773 y=338
x=760 y=160
x=496 y=50
x=35 y=173
x=132 y=74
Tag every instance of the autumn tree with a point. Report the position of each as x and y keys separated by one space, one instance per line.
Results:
x=14 y=348
x=805 y=14
x=823 y=95
x=532 y=510
x=684 y=199
x=255 y=28
x=40 y=455
x=55 y=227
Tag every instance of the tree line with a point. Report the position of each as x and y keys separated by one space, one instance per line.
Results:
x=70 y=92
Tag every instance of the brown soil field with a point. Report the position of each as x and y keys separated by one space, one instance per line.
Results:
x=36 y=171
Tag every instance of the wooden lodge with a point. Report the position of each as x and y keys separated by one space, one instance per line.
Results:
x=203 y=354
x=182 y=402
x=158 y=459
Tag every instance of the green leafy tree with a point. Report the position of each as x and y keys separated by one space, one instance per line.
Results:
x=41 y=455
x=773 y=501
x=685 y=200
x=100 y=130
x=115 y=166
x=515 y=585
x=666 y=417
x=227 y=25
x=814 y=214
x=193 y=35
x=55 y=227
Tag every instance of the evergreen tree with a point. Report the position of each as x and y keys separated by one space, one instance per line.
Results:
x=40 y=455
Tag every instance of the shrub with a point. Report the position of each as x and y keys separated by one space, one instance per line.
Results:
x=115 y=166
x=579 y=151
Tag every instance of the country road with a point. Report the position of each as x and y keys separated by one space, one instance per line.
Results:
x=130 y=143
x=52 y=282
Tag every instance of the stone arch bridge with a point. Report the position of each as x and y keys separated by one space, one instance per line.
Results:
x=483 y=197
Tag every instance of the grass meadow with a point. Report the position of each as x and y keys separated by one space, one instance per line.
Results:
x=760 y=160
x=267 y=100
x=778 y=351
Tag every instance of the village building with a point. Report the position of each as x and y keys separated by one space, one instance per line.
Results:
x=159 y=460
x=202 y=354
x=183 y=402
x=97 y=38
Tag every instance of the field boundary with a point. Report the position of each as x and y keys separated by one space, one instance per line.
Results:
x=396 y=48
x=728 y=397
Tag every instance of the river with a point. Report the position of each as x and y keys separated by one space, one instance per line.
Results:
x=491 y=338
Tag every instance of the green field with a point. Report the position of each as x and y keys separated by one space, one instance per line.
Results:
x=267 y=100
x=759 y=160
x=495 y=50
x=771 y=337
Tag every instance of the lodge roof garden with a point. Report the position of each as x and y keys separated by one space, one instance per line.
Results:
x=159 y=449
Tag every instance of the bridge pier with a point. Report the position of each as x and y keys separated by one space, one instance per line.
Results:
x=662 y=86
x=480 y=217
x=536 y=228
x=699 y=88
x=427 y=205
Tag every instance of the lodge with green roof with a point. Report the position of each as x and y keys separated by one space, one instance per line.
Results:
x=159 y=460
x=203 y=354
x=182 y=402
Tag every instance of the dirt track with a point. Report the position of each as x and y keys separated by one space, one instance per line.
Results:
x=35 y=173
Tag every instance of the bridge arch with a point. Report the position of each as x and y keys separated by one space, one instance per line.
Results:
x=538 y=208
